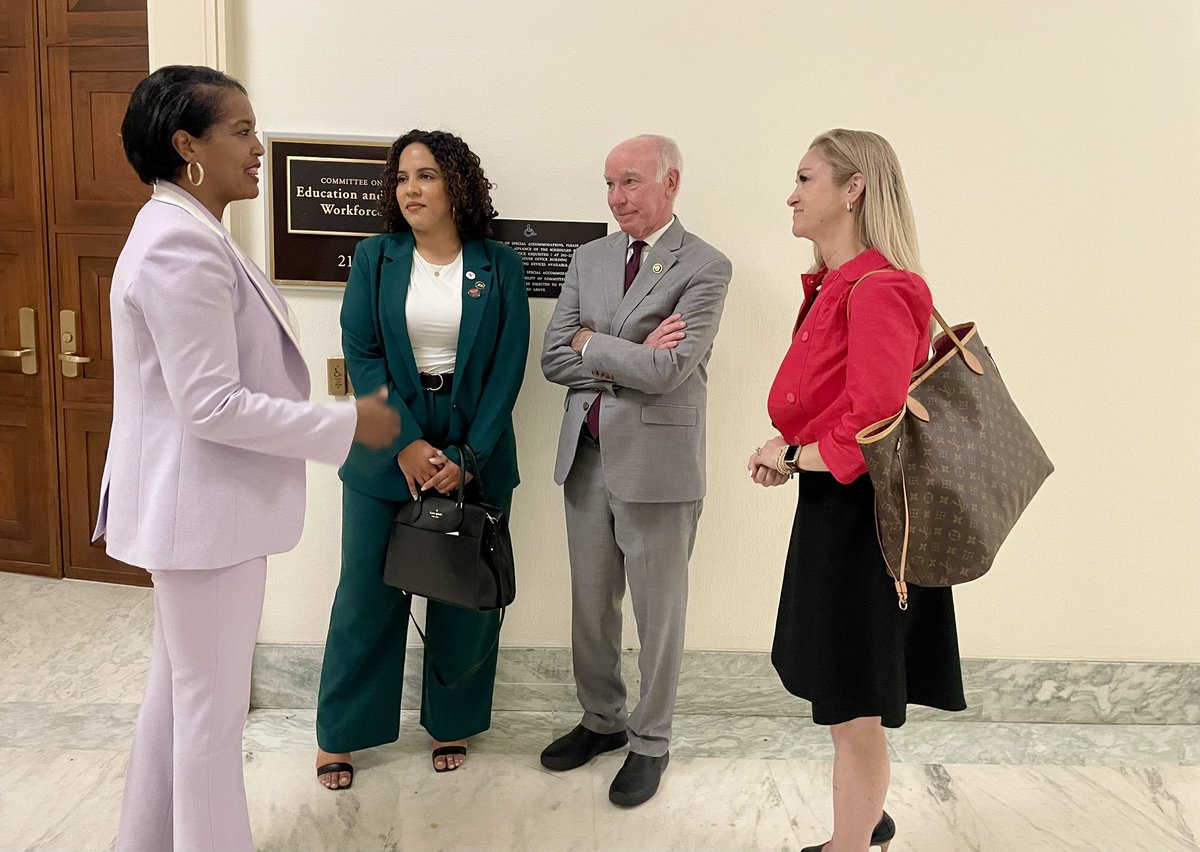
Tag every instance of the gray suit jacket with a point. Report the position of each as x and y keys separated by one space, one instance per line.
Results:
x=654 y=401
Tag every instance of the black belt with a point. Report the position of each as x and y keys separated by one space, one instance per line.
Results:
x=436 y=382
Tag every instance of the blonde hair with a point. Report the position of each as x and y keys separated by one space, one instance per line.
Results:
x=882 y=215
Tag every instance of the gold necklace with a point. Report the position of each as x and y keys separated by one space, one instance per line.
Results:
x=436 y=270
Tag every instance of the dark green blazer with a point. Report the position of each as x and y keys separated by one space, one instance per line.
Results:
x=493 y=342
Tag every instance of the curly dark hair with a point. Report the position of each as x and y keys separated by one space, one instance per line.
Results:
x=469 y=191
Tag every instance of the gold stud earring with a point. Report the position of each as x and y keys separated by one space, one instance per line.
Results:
x=195 y=181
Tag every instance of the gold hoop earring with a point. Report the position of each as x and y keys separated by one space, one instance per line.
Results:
x=849 y=207
x=195 y=181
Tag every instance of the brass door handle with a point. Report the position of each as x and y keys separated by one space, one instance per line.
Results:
x=28 y=351
x=69 y=336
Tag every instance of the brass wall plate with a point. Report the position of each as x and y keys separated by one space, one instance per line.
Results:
x=338 y=381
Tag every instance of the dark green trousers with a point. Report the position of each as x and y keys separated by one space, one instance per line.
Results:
x=362 y=677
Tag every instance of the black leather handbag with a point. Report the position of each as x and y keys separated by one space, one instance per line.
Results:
x=453 y=550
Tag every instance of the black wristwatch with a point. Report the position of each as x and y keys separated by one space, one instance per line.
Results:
x=791 y=458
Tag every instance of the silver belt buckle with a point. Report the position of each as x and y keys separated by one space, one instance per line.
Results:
x=441 y=382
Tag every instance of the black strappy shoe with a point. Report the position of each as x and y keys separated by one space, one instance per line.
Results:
x=446 y=751
x=339 y=768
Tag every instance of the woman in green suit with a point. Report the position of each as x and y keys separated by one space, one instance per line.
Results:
x=438 y=314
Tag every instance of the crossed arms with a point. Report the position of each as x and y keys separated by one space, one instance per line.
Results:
x=659 y=363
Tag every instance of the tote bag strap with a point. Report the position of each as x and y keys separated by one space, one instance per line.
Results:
x=967 y=355
x=433 y=667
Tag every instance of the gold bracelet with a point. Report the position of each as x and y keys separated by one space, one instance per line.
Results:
x=780 y=465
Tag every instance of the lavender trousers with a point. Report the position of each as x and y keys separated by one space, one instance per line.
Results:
x=184 y=789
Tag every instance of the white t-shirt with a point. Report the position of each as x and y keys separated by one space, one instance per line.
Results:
x=434 y=312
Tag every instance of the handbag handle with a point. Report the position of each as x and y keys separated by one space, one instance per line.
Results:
x=967 y=355
x=465 y=453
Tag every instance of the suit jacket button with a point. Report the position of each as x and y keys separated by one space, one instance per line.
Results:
x=585 y=406
x=791 y=397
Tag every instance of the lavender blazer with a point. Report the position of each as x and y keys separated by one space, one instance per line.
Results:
x=211 y=419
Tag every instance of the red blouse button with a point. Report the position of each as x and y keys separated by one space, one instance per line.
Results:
x=795 y=439
x=804 y=337
x=791 y=397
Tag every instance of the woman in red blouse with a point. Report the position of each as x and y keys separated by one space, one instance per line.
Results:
x=841 y=641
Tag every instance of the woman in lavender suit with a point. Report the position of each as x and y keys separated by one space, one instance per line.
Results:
x=205 y=471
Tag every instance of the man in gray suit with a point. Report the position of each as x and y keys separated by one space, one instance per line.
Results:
x=630 y=340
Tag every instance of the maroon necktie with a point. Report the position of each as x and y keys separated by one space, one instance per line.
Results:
x=631 y=270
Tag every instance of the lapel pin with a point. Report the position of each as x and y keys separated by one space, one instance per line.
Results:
x=656 y=268
x=479 y=285
x=470 y=275
x=473 y=293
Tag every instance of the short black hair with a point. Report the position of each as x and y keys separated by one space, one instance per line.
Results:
x=469 y=190
x=175 y=97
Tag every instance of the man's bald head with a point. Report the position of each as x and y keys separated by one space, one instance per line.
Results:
x=643 y=176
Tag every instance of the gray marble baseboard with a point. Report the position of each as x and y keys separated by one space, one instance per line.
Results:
x=744 y=684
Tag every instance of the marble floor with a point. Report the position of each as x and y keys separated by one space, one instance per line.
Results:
x=67 y=706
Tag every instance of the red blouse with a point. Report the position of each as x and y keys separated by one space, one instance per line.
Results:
x=843 y=373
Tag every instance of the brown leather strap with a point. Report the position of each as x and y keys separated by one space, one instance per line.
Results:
x=967 y=355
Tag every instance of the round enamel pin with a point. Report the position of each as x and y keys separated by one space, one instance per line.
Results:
x=656 y=268
x=473 y=293
x=479 y=285
x=470 y=275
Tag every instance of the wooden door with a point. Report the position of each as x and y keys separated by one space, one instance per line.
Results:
x=94 y=196
x=29 y=494
x=84 y=275
x=67 y=199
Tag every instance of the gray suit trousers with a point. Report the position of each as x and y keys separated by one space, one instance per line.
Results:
x=612 y=541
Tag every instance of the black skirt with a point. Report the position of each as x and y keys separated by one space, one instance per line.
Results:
x=841 y=640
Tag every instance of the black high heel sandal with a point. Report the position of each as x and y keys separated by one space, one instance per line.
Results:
x=327 y=768
x=881 y=835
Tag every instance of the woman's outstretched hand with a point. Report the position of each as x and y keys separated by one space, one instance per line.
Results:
x=378 y=425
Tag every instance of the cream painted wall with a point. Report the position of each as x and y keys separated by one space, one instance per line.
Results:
x=1050 y=154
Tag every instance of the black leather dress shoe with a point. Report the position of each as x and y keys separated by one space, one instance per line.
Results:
x=638 y=779
x=573 y=750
